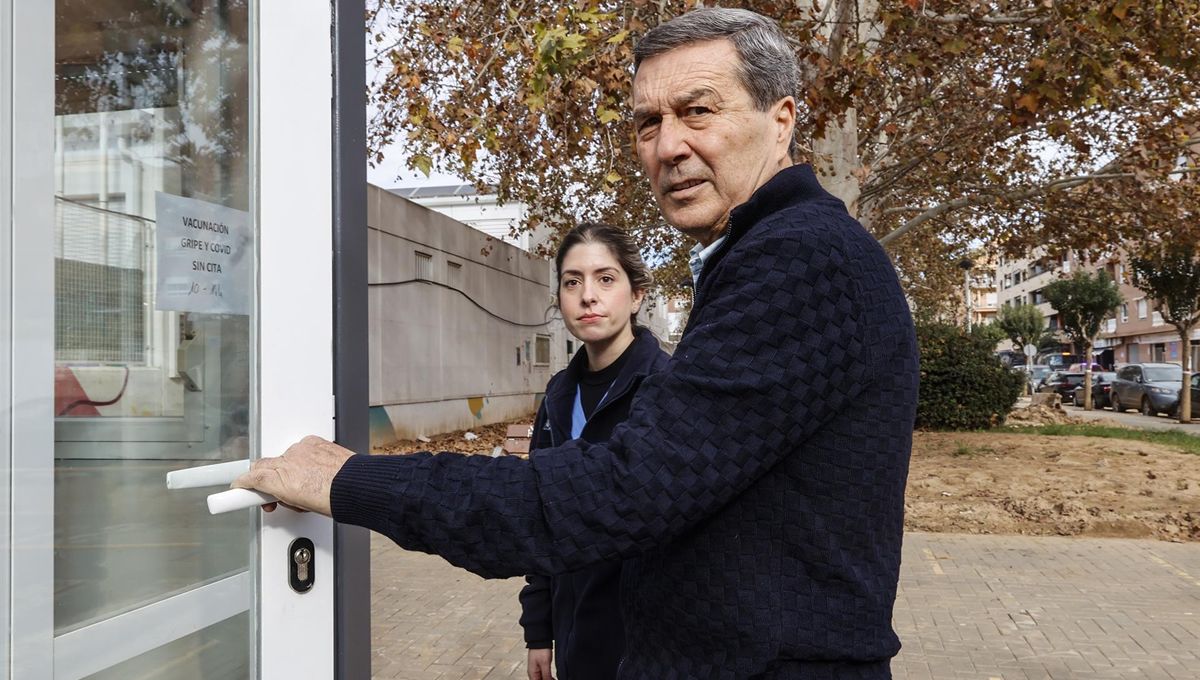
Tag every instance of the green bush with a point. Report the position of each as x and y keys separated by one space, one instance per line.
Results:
x=963 y=384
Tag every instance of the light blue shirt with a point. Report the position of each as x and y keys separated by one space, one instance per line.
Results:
x=699 y=254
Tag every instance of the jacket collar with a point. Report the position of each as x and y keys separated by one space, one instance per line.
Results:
x=560 y=394
x=790 y=186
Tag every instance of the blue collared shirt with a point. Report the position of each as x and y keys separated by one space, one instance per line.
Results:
x=699 y=254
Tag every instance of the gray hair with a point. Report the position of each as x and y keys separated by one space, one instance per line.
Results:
x=768 y=68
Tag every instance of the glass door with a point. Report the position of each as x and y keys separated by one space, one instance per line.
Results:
x=138 y=270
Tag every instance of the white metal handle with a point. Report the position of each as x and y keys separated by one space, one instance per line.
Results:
x=237 y=499
x=220 y=474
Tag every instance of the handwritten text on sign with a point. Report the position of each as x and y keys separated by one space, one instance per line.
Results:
x=204 y=256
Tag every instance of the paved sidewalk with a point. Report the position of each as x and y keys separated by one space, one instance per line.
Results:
x=980 y=607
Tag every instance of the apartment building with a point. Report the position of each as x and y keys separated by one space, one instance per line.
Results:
x=1134 y=333
x=983 y=304
x=1137 y=332
x=1020 y=282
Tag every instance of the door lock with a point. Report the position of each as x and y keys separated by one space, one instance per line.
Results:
x=301 y=565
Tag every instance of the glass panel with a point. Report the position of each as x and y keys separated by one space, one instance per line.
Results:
x=219 y=652
x=154 y=252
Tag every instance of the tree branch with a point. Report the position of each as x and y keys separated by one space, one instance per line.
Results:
x=1024 y=19
x=932 y=212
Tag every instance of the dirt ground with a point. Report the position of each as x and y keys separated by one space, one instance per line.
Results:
x=989 y=483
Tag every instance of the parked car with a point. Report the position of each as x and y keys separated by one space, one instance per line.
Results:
x=1034 y=375
x=1150 y=388
x=1063 y=383
x=1195 y=395
x=1037 y=374
x=1101 y=389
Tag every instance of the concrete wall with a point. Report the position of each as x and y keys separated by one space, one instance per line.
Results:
x=439 y=361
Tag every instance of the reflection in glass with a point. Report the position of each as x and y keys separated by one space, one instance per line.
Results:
x=150 y=98
x=219 y=652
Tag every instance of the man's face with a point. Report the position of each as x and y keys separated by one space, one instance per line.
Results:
x=703 y=144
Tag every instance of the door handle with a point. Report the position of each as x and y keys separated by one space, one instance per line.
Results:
x=219 y=474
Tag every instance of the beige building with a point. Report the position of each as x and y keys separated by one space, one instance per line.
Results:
x=1135 y=333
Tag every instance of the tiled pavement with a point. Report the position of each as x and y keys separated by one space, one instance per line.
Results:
x=979 y=607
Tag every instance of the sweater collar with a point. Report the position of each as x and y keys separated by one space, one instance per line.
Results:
x=790 y=186
x=643 y=351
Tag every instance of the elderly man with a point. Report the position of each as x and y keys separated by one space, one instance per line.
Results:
x=756 y=490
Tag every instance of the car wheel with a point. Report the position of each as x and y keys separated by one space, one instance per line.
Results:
x=1147 y=409
x=1116 y=404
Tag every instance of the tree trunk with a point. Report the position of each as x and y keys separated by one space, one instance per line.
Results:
x=836 y=154
x=835 y=157
x=1087 y=376
x=1185 y=394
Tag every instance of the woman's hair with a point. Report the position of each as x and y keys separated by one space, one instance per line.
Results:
x=619 y=243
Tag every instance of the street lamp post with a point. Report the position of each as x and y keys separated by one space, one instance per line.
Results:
x=966 y=265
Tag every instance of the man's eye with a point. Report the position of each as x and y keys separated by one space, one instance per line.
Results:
x=648 y=123
x=697 y=110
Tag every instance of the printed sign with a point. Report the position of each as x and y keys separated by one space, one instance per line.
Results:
x=204 y=257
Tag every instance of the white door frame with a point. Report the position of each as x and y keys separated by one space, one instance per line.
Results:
x=292 y=136
x=295 y=180
x=31 y=487
x=6 y=173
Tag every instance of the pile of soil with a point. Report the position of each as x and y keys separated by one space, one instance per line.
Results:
x=988 y=483
x=1040 y=415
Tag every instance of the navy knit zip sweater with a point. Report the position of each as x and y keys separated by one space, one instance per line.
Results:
x=756 y=488
x=580 y=611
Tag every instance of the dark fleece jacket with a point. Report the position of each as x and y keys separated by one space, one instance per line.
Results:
x=581 y=610
x=757 y=487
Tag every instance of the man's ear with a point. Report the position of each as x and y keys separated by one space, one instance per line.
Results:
x=784 y=116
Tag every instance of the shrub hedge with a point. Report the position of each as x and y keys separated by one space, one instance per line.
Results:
x=963 y=384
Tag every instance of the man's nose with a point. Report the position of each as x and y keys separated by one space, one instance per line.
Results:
x=673 y=145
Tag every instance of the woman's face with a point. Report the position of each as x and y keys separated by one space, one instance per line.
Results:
x=594 y=294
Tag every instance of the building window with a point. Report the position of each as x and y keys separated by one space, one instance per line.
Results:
x=1141 y=304
x=541 y=355
x=1124 y=312
x=454 y=274
x=570 y=348
x=1156 y=318
x=424 y=266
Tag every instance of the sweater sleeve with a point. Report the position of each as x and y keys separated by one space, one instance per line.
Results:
x=777 y=349
x=536 y=612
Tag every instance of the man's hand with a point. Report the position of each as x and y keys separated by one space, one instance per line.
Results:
x=539 y=664
x=301 y=477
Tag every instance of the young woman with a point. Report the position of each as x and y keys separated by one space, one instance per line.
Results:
x=575 y=618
